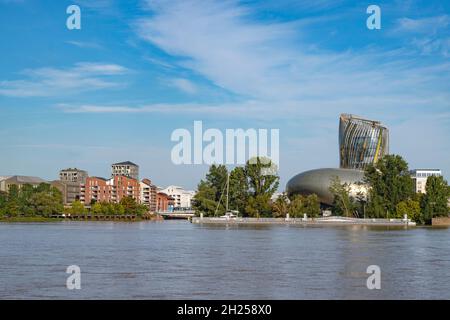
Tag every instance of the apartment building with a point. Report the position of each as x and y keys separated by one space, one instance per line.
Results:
x=164 y=202
x=148 y=194
x=7 y=181
x=420 y=177
x=109 y=190
x=69 y=183
x=127 y=168
x=182 y=198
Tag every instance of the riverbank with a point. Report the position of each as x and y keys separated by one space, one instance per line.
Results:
x=124 y=218
x=330 y=221
x=29 y=219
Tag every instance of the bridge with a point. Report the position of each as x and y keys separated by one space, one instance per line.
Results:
x=177 y=214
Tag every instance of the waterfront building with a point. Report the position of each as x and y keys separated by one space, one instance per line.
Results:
x=127 y=168
x=112 y=190
x=148 y=194
x=420 y=177
x=69 y=183
x=164 y=202
x=361 y=141
x=73 y=175
x=318 y=182
x=19 y=181
x=182 y=198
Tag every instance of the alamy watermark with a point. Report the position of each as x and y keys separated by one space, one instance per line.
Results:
x=238 y=146
x=374 y=20
x=374 y=280
x=74 y=280
x=74 y=20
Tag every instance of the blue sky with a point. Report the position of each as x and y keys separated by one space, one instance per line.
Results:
x=137 y=70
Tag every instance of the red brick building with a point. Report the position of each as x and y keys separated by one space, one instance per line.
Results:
x=164 y=202
x=109 y=190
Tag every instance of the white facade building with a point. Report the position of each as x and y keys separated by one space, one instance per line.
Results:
x=182 y=197
x=420 y=177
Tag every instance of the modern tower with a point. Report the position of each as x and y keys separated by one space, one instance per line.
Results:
x=361 y=141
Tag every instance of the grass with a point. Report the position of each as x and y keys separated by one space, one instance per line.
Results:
x=29 y=219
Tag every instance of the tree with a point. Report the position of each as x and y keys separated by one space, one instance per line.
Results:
x=411 y=208
x=129 y=204
x=343 y=203
x=238 y=189
x=46 y=201
x=297 y=206
x=97 y=208
x=435 y=200
x=312 y=207
x=210 y=191
x=280 y=206
x=77 y=208
x=262 y=184
x=390 y=183
x=258 y=206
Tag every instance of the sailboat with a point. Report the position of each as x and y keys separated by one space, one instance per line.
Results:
x=229 y=214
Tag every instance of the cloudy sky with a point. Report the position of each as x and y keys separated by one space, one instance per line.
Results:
x=137 y=70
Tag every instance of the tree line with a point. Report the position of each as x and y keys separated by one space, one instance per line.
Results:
x=390 y=194
x=46 y=200
x=251 y=188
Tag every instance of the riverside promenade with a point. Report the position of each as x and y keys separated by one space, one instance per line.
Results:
x=327 y=221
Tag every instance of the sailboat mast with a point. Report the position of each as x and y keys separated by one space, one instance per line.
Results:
x=228 y=187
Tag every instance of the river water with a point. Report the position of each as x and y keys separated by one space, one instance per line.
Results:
x=180 y=260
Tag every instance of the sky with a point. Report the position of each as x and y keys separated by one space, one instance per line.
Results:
x=117 y=88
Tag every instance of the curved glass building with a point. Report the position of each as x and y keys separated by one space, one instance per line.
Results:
x=361 y=141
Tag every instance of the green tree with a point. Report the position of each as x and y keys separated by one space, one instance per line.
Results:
x=312 y=207
x=411 y=208
x=343 y=203
x=46 y=201
x=435 y=200
x=280 y=206
x=238 y=190
x=297 y=206
x=262 y=184
x=210 y=191
x=97 y=208
x=390 y=183
x=77 y=208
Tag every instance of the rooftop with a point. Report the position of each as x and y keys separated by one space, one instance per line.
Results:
x=125 y=163
x=26 y=179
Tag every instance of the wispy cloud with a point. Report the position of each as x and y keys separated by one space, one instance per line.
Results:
x=429 y=25
x=84 y=76
x=184 y=85
x=265 y=61
x=84 y=44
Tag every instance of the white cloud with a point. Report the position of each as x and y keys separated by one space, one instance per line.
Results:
x=84 y=76
x=220 y=41
x=429 y=25
x=84 y=44
x=184 y=85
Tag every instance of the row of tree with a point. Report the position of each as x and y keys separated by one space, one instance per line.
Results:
x=251 y=189
x=387 y=191
x=46 y=200
x=392 y=194
x=43 y=200
x=127 y=205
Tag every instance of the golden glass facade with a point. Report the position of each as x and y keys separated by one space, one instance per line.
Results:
x=361 y=141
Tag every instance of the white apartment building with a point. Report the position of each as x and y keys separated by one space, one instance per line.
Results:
x=182 y=197
x=420 y=177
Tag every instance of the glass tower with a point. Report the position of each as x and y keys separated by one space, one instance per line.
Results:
x=361 y=141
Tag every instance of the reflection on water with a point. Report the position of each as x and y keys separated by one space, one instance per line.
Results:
x=179 y=260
